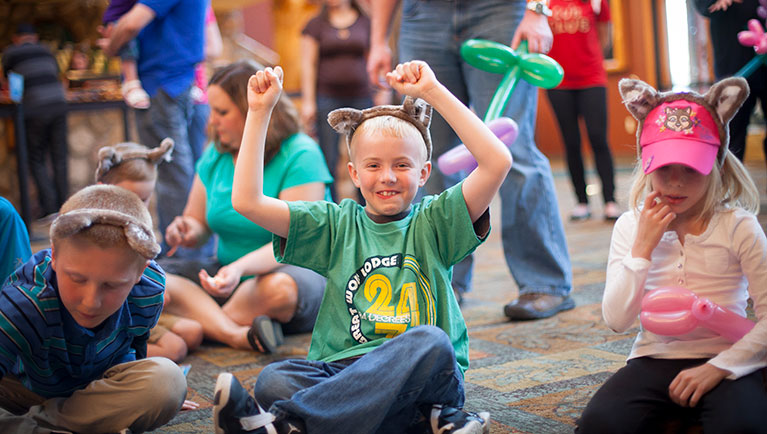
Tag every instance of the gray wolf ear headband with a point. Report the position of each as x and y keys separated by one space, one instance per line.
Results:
x=111 y=156
x=416 y=111
x=683 y=127
x=139 y=236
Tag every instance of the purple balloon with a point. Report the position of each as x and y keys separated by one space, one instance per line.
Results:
x=459 y=158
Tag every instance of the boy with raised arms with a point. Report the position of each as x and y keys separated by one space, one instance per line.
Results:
x=390 y=345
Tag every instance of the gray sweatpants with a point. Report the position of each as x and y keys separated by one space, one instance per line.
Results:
x=141 y=395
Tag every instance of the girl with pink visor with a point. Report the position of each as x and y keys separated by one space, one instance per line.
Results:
x=693 y=224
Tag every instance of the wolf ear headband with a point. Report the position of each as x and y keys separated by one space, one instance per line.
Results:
x=111 y=156
x=415 y=111
x=140 y=237
x=683 y=127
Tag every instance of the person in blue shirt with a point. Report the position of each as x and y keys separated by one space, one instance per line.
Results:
x=170 y=35
x=14 y=239
x=74 y=321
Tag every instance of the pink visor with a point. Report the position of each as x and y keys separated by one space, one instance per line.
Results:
x=679 y=132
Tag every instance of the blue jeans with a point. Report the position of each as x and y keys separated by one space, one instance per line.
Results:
x=170 y=117
x=380 y=392
x=532 y=233
x=327 y=136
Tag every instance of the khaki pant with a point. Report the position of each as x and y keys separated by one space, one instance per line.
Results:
x=140 y=395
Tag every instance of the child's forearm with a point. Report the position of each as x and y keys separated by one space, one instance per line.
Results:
x=247 y=187
x=493 y=157
x=489 y=151
x=248 y=196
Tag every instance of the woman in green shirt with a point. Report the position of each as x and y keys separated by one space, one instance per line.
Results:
x=242 y=296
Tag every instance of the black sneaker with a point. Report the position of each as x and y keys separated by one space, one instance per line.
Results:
x=236 y=412
x=456 y=421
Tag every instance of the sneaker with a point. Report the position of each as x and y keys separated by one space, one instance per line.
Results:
x=452 y=420
x=236 y=412
x=612 y=212
x=580 y=212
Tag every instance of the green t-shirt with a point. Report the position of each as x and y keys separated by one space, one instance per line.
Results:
x=382 y=278
x=299 y=161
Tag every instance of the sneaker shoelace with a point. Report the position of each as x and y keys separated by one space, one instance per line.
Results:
x=261 y=420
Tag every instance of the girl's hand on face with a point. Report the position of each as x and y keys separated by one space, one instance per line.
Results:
x=414 y=78
x=653 y=222
x=691 y=384
x=264 y=88
x=225 y=281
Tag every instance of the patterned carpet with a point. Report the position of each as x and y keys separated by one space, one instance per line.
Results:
x=533 y=377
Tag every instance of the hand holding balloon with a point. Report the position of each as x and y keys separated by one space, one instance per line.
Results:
x=672 y=310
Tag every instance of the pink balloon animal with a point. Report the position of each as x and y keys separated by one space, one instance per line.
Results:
x=672 y=310
x=757 y=38
x=754 y=37
x=459 y=158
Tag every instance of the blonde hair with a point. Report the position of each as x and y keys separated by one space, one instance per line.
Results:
x=233 y=80
x=727 y=187
x=91 y=205
x=390 y=126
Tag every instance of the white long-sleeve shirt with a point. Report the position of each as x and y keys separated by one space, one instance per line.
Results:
x=726 y=264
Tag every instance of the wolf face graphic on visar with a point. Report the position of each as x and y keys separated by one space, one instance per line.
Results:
x=678 y=119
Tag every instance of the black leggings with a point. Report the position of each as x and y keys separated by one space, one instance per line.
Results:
x=739 y=122
x=591 y=104
x=636 y=400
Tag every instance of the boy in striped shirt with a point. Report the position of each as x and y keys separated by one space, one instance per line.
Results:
x=74 y=321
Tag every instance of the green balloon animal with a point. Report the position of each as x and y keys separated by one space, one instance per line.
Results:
x=535 y=68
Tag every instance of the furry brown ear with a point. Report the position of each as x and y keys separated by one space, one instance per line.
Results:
x=418 y=109
x=161 y=152
x=638 y=96
x=345 y=120
x=139 y=236
x=107 y=159
x=726 y=97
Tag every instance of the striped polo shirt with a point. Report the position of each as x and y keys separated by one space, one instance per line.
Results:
x=52 y=355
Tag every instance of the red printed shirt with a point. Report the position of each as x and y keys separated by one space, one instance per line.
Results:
x=576 y=42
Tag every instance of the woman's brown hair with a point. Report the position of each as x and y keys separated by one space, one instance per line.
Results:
x=233 y=79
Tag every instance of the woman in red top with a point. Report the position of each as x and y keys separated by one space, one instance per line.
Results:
x=581 y=29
